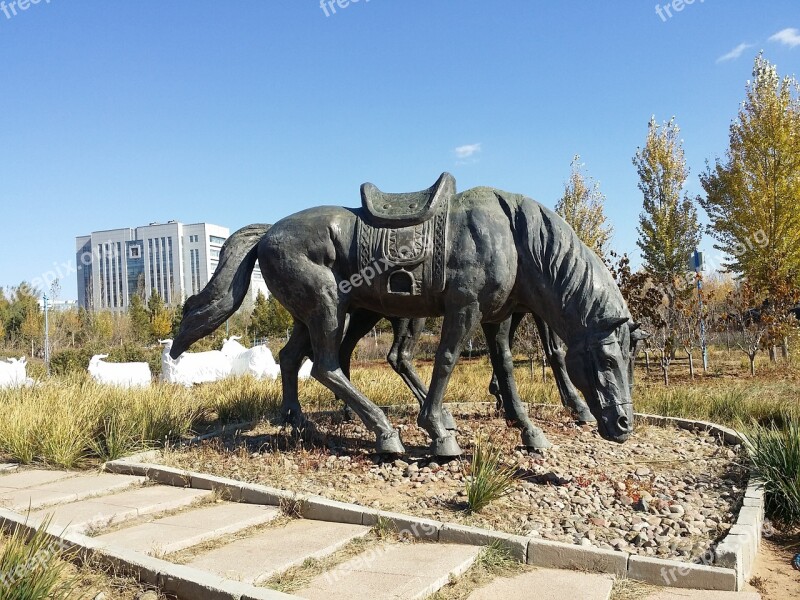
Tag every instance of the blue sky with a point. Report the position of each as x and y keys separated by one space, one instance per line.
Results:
x=121 y=113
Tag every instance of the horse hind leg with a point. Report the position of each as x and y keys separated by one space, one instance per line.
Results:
x=359 y=324
x=325 y=326
x=290 y=358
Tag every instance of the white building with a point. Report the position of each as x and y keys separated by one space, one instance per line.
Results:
x=173 y=259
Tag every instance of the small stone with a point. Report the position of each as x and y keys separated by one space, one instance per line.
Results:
x=642 y=472
x=148 y=596
x=677 y=509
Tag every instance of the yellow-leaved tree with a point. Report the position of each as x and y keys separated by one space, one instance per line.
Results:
x=753 y=197
x=581 y=206
x=668 y=227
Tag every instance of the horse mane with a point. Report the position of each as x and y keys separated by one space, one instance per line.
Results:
x=574 y=271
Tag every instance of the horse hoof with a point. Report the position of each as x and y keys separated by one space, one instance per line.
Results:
x=448 y=421
x=535 y=439
x=389 y=444
x=446 y=447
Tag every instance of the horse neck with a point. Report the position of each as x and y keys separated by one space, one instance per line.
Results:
x=564 y=281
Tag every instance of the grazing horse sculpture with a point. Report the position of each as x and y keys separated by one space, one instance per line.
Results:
x=477 y=257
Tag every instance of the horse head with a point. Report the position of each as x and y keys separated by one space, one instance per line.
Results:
x=600 y=365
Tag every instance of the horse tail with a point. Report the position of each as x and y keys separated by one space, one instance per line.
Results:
x=204 y=312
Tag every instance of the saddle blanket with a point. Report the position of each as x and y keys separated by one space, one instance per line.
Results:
x=406 y=260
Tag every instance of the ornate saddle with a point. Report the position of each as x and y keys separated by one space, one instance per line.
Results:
x=403 y=237
x=406 y=209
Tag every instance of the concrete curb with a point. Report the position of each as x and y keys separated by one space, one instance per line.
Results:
x=737 y=550
x=182 y=581
x=727 y=570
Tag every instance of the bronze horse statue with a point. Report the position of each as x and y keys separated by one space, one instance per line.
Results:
x=477 y=257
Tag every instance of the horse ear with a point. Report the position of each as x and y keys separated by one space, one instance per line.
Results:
x=612 y=323
x=637 y=333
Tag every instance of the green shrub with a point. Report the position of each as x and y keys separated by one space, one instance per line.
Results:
x=76 y=360
x=774 y=454
x=490 y=479
x=34 y=569
x=70 y=360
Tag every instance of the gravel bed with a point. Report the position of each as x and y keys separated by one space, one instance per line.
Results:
x=666 y=492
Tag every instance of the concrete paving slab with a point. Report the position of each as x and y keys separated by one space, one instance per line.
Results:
x=396 y=571
x=257 y=558
x=31 y=478
x=189 y=528
x=85 y=515
x=702 y=595
x=70 y=489
x=548 y=584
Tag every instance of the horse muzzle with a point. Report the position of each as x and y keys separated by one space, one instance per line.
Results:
x=616 y=423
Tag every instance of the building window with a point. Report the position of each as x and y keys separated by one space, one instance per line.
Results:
x=134 y=252
x=216 y=240
x=214 y=253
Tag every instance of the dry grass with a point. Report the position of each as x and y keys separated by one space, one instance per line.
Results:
x=628 y=589
x=493 y=561
x=296 y=578
x=184 y=556
x=71 y=421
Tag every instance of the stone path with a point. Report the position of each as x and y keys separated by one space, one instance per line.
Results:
x=247 y=544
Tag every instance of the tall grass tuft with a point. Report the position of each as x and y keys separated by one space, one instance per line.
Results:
x=775 y=459
x=33 y=568
x=66 y=420
x=490 y=479
x=248 y=400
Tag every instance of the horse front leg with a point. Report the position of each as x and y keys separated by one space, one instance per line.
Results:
x=401 y=358
x=458 y=325
x=509 y=332
x=497 y=340
x=555 y=354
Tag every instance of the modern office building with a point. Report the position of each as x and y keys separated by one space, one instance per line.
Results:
x=173 y=259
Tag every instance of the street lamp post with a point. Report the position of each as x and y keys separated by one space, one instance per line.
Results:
x=698 y=270
x=46 y=335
